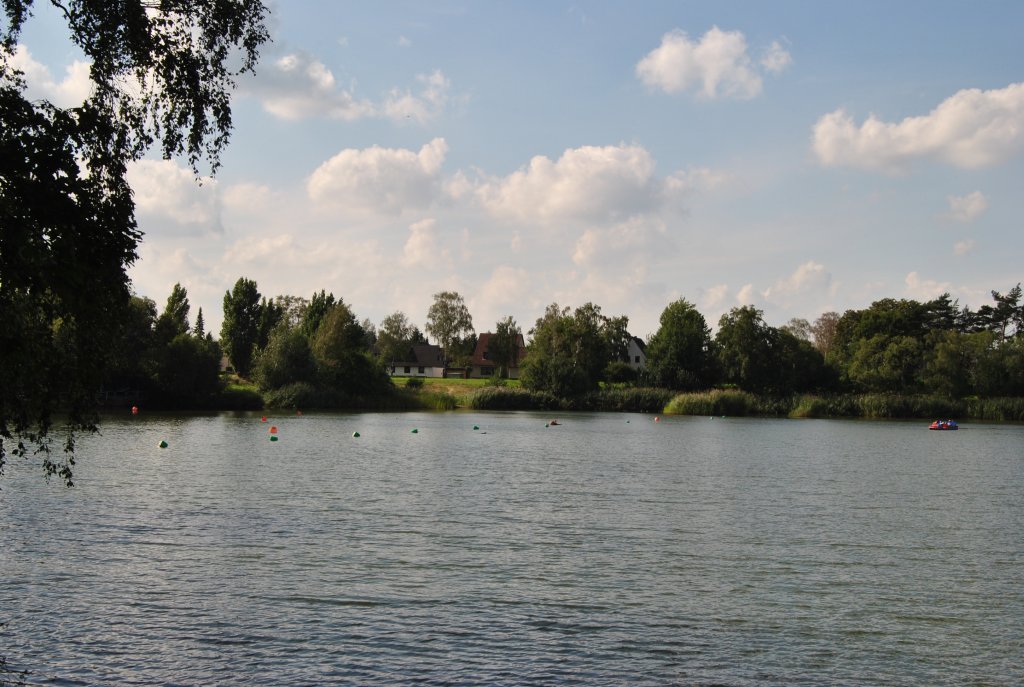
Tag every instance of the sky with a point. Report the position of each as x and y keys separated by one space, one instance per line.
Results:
x=797 y=156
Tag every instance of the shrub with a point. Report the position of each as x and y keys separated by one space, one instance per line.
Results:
x=497 y=398
x=618 y=372
x=414 y=383
x=631 y=399
x=999 y=409
x=436 y=400
x=237 y=397
x=715 y=402
x=895 y=406
x=296 y=395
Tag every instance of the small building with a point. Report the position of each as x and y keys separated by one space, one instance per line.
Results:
x=481 y=364
x=422 y=360
x=636 y=353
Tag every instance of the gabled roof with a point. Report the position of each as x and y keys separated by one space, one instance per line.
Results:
x=483 y=342
x=422 y=355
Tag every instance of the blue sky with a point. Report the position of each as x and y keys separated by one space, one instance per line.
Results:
x=797 y=156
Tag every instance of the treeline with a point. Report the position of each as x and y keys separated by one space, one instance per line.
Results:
x=162 y=359
x=892 y=347
x=316 y=353
x=301 y=352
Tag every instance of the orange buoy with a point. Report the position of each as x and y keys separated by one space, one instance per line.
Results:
x=273 y=430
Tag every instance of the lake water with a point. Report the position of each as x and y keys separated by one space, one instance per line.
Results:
x=609 y=550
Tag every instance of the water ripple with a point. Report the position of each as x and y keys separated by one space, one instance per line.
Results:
x=740 y=553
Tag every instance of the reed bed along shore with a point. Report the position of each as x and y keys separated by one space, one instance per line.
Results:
x=876 y=406
x=455 y=394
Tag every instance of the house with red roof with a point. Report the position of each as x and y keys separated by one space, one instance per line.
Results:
x=483 y=364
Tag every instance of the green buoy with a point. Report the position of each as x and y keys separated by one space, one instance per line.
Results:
x=476 y=426
x=273 y=437
x=415 y=431
x=355 y=434
x=162 y=444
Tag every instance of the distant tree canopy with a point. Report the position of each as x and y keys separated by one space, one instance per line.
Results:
x=503 y=347
x=395 y=337
x=569 y=351
x=240 y=330
x=174 y=319
x=160 y=76
x=324 y=360
x=160 y=360
x=905 y=346
x=450 y=323
x=680 y=354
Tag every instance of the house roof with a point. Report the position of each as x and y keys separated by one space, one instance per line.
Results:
x=425 y=355
x=483 y=342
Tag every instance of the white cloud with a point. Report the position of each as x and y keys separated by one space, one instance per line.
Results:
x=298 y=86
x=70 y=91
x=248 y=198
x=745 y=296
x=427 y=105
x=716 y=66
x=422 y=248
x=695 y=180
x=386 y=181
x=404 y=42
x=280 y=248
x=161 y=266
x=590 y=183
x=505 y=288
x=809 y=278
x=714 y=296
x=971 y=129
x=776 y=58
x=924 y=289
x=967 y=208
x=962 y=248
x=459 y=186
x=168 y=198
x=282 y=262
x=632 y=243
x=465 y=245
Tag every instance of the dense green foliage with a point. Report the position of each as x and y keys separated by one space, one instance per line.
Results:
x=240 y=330
x=503 y=347
x=907 y=347
x=395 y=337
x=506 y=398
x=680 y=354
x=321 y=360
x=160 y=362
x=569 y=352
x=449 y=321
x=162 y=74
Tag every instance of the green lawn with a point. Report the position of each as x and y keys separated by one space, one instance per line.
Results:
x=461 y=389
